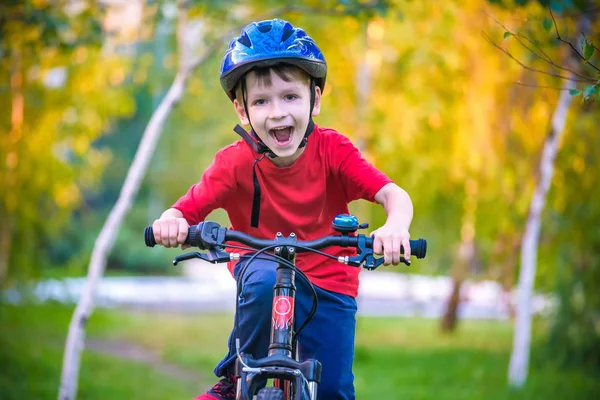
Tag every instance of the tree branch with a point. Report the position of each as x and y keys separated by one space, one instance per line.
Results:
x=587 y=80
x=546 y=58
x=569 y=43
x=538 y=86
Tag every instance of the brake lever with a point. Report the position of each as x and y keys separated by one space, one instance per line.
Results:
x=213 y=256
x=187 y=256
x=371 y=262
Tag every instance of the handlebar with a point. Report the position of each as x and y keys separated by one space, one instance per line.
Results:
x=210 y=236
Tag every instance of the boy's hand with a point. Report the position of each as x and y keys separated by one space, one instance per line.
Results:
x=387 y=241
x=170 y=231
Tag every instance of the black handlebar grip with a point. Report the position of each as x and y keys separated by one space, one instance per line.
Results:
x=190 y=239
x=149 y=237
x=418 y=248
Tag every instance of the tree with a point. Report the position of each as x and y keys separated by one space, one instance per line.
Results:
x=570 y=73
x=74 y=343
x=574 y=339
x=49 y=52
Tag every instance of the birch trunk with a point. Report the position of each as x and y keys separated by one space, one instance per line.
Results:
x=104 y=242
x=519 y=361
x=76 y=335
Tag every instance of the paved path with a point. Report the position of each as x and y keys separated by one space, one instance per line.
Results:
x=208 y=287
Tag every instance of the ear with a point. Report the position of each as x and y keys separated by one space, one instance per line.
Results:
x=241 y=112
x=317 y=107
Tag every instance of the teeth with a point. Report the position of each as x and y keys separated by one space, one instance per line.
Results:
x=280 y=128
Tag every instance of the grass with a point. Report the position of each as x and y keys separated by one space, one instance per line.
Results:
x=395 y=358
x=31 y=347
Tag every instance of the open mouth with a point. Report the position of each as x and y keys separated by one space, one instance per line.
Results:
x=282 y=135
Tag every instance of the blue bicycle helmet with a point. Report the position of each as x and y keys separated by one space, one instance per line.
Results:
x=267 y=43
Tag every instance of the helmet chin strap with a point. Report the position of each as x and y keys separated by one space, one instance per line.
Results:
x=261 y=148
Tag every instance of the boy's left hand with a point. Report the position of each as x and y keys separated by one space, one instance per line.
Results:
x=387 y=241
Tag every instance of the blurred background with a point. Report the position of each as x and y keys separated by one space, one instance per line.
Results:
x=454 y=100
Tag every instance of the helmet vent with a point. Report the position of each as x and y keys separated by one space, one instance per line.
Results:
x=264 y=27
x=287 y=32
x=245 y=40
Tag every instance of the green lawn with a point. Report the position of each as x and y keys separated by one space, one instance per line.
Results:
x=395 y=358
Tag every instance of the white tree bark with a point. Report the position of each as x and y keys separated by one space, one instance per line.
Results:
x=76 y=335
x=519 y=361
x=104 y=242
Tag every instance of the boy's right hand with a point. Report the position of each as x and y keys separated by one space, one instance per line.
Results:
x=170 y=231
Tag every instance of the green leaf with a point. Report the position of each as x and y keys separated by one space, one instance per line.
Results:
x=588 y=51
x=591 y=91
x=506 y=35
x=574 y=92
x=547 y=24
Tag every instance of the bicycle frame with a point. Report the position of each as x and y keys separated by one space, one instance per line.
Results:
x=281 y=362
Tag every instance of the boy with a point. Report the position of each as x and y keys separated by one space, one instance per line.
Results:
x=289 y=175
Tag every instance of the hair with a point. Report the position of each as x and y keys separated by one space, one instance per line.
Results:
x=286 y=72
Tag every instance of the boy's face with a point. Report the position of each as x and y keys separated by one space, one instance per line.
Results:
x=279 y=112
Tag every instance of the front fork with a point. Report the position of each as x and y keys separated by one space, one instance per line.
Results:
x=251 y=378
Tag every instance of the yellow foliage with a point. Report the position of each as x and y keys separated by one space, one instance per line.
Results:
x=81 y=145
x=140 y=76
x=12 y=160
x=66 y=196
x=195 y=85
x=80 y=55
x=170 y=61
x=91 y=119
x=117 y=76
x=578 y=164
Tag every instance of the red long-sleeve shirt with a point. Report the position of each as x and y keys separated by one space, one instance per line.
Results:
x=302 y=198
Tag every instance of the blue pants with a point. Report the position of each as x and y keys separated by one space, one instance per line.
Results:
x=328 y=337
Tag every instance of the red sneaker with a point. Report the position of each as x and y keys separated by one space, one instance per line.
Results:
x=223 y=390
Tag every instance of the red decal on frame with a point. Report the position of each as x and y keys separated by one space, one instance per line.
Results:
x=283 y=312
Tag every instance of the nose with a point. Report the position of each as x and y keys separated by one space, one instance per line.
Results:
x=277 y=110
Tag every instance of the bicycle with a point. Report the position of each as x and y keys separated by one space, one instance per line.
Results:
x=292 y=379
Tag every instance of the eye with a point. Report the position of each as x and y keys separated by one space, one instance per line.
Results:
x=290 y=97
x=259 y=102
